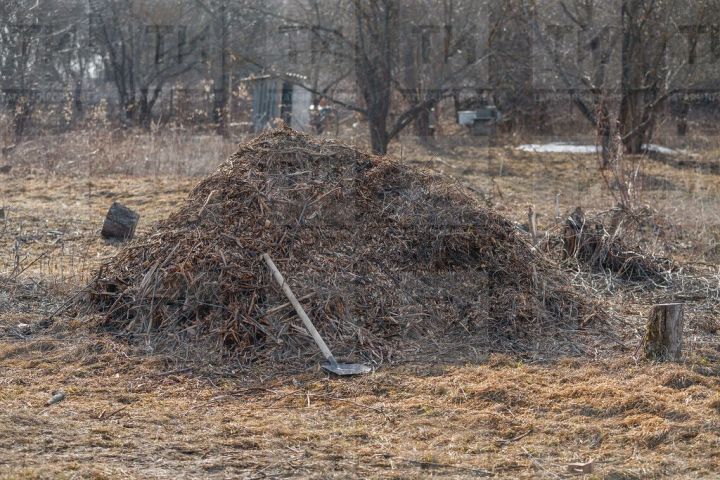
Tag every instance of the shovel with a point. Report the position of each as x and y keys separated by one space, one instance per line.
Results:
x=331 y=365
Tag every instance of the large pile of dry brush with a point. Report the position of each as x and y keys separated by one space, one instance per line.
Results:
x=380 y=253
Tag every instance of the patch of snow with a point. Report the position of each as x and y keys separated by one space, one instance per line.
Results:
x=559 y=147
x=659 y=149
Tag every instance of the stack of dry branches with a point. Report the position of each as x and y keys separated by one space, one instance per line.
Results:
x=603 y=247
x=381 y=253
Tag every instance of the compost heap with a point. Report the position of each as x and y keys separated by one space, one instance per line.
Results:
x=378 y=252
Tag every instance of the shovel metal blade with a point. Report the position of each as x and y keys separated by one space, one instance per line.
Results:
x=346 y=368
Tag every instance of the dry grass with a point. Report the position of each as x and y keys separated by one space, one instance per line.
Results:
x=51 y=223
x=138 y=415
x=129 y=416
x=683 y=192
x=170 y=152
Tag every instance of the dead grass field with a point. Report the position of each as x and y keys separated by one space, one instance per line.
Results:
x=133 y=414
x=129 y=417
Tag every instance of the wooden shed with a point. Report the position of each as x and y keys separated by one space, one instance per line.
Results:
x=277 y=99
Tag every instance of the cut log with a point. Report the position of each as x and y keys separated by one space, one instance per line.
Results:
x=663 y=339
x=120 y=223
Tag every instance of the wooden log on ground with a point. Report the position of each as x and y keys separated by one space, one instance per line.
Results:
x=663 y=339
x=120 y=223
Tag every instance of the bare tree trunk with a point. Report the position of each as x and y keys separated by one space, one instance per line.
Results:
x=220 y=93
x=378 y=133
x=22 y=108
x=604 y=133
x=78 y=107
x=632 y=73
x=376 y=23
x=631 y=127
x=129 y=106
x=423 y=123
x=144 y=111
x=146 y=104
x=640 y=75
x=682 y=124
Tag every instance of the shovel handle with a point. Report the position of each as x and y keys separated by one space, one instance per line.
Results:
x=299 y=309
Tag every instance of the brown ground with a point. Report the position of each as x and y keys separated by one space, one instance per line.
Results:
x=128 y=417
x=140 y=415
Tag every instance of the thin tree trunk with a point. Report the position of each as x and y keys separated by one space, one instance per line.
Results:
x=376 y=23
x=642 y=61
x=605 y=134
x=630 y=118
x=631 y=128
x=377 y=122
x=130 y=108
x=682 y=116
x=220 y=94
x=423 y=123
x=144 y=114
x=22 y=113
x=77 y=103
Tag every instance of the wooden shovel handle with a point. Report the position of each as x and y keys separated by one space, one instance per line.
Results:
x=298 y=308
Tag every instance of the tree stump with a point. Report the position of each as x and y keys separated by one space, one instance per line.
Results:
x=663 y=339
x=120 y=223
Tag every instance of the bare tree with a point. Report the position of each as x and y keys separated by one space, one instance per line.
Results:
x=234 y=32
x=143 y=46
x=21 y=58
x=71 y=57
x=377 y=47
x=511 y=62
x=646 y=33
x=43 y=53
x=617 y=65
